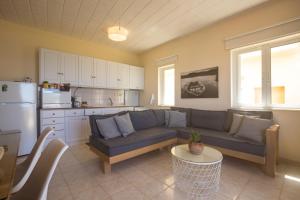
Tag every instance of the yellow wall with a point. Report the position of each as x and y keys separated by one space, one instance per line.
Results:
x=205 y=48
x=19 y=50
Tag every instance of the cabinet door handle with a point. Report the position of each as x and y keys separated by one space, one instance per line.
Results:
x=53 y=113
x=53 y=121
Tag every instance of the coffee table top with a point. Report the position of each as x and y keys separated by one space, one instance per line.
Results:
x=208 y=156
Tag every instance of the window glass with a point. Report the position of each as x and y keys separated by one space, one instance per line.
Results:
x=250 y=78
x=285 y=71
x=166 y=85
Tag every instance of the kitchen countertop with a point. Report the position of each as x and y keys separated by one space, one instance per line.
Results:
x=90 y=107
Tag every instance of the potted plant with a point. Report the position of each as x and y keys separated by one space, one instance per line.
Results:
x=195 y=144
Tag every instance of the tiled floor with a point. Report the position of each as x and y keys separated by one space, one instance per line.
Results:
x=79 y=177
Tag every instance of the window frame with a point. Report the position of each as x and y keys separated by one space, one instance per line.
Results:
x=160 y=90
x=265 y=49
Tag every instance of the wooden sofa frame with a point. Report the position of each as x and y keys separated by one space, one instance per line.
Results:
x=268 y=162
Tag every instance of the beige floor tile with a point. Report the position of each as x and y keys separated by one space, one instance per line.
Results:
x=94 y=193
x=131 y=193
x=259 y=191
x=151 y=188
x=61 y=192
x=115 y=185
x=291 y=190
x=79 y=176
x=171 y=194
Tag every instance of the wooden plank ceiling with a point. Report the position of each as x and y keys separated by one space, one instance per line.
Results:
x=150 y=22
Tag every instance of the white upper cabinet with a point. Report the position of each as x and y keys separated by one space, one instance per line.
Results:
x=118 y=76
x=100 y=73
x=136 y=78
x=85 y=71
x=69 y=69
x=49 y=66
x=58 y=67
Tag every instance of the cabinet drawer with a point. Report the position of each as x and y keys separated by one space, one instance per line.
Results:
x=57 y=134
x=94 y=111
x=52 y=121
x=74 y=112
x=56 y=127
x=52 y=113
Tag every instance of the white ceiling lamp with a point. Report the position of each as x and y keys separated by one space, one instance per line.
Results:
x=117 y=33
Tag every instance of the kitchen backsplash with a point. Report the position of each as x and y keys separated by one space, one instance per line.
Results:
x=99 y=97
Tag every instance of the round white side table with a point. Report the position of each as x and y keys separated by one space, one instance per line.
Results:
x=197 y=175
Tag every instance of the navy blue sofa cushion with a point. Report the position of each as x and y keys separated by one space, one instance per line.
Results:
x=213 y=120
x=160 y=116
x=133 y=141
x=222 y=139
x=143 y=119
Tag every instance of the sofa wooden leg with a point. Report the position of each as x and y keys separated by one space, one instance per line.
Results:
x=106 y=167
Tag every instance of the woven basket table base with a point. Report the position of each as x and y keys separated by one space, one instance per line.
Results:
x=199 y=180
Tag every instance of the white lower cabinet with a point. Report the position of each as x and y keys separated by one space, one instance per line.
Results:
x=77 y=129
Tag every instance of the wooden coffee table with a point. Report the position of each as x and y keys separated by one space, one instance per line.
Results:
x=197 y=175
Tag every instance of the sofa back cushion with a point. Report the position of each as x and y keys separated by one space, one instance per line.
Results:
x=188 y=112
x=160 y=116
x=143 y=119
x=259 y=114
x=213 y=120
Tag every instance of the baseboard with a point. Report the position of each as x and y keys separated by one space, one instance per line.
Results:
x=288 y=161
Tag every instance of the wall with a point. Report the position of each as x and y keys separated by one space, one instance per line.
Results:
x=205 y=48
x=19 y=50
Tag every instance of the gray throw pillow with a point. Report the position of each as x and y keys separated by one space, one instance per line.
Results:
x=254 y=129
x=237 y=120
x=108 y=128
x=125 y=125
x=177 y=119
x=236 y=123
x=167 y=117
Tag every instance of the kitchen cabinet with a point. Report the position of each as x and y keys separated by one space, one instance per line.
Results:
x=76 y=126
x=118 y=76
x=100 y=73
x=54 y=119
x=69 y=69
x=49 y=66
x=136 y=78
x=58 y=67
x=77 y=129
x=85 y=71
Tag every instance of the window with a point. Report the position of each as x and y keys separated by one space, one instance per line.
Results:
x=267 y=75
x=166 y=85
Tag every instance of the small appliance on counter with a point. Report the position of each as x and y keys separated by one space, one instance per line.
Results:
x=55 y=98
x=76 y=101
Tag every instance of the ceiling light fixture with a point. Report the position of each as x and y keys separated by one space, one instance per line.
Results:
x=117 y=33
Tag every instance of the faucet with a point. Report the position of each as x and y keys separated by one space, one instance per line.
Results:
x=110 y=101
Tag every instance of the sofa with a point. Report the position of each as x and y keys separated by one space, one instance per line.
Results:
x=151 y=134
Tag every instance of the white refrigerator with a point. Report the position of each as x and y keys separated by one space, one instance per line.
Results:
x=18 y=111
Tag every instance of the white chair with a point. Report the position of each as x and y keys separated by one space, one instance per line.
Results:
x=36 y=187
x=24 y=169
